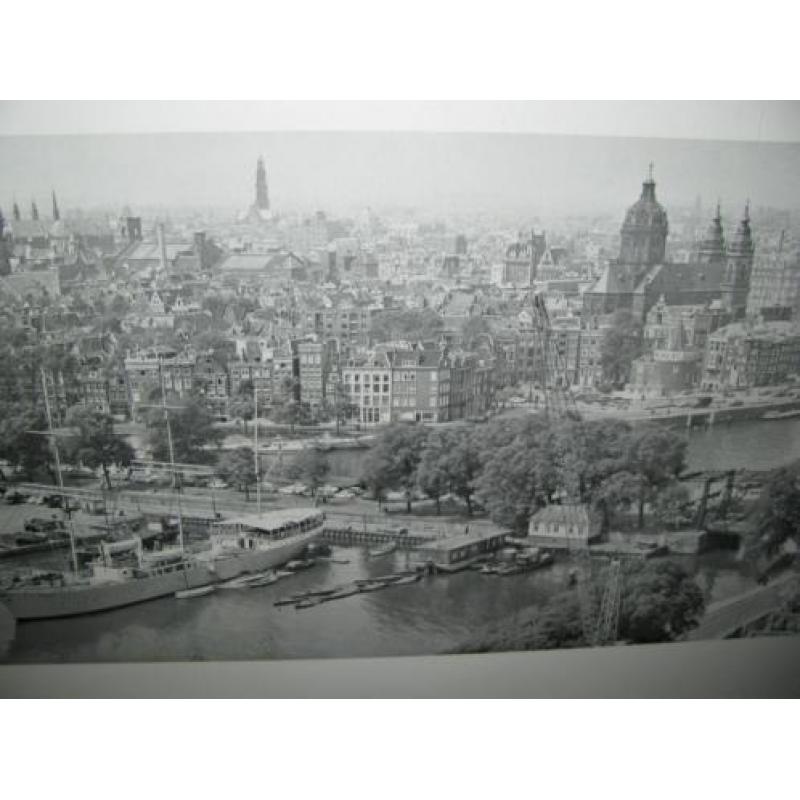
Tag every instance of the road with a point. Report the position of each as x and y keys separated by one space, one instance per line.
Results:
x=722 y=619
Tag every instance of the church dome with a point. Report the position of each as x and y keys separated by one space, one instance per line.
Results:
x=646 y=212
x=645 y=229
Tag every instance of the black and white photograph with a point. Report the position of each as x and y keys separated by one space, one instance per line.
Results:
x=341 y=394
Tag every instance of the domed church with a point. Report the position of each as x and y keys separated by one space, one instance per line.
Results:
x=640 y=275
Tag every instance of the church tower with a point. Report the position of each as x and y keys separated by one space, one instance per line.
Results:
x=262 y=195
x=644 y=231
x=34 y=211
x=739 y=265
x=712 y=247
x=56 y=213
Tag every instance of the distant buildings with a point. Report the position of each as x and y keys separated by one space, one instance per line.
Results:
x=775 y=283
x=744 y=355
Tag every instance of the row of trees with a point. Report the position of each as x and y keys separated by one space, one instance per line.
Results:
x=660 y=602
x=512 y=467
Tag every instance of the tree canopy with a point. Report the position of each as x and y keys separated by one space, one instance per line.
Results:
x=621 y=344
x=192 y=427
x=94 y=442
x=237 y=467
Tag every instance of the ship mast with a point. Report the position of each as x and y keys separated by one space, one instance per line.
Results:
x=54 y=444
x=175 y=487
x=255 y=446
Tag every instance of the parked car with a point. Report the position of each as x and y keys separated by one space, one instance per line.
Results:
x=14 y=498
x=41 y=525
x=218 y=483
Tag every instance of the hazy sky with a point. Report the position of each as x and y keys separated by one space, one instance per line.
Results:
x=341 y=172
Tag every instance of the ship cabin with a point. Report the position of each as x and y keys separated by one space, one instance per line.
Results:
x=256 y=531
x=458 y=549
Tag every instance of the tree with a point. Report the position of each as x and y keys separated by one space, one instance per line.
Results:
x=618 y=492
x=462 y=462
x=657 y=456
x=94 y=442
x=621 y=344
x=192 y=428
x=237 y=467
x=340 y=404
x=777 y=511
x=660 y=602
x=516 y=477
x=313 y=467
x=433 y=477
x=28 y=451
x=393 y=459
x=671 y=504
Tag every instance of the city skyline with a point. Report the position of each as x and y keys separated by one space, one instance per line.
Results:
x=431 y=172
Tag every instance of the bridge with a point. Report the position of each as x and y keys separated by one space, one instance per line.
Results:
x=725 y=618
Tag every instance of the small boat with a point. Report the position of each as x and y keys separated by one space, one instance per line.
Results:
x=266 y=580
x=488 y=569
x=200 y=591
x=235 y=583
x=308 y=602
x=509 y=570
x=404 y=581
x=300 y=563
x=781 y=414
x=283 y=573
x=379 y=552
x=372 y=586
x=341 y=592
x=285 y=601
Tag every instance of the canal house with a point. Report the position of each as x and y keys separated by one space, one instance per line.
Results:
x=558 y=524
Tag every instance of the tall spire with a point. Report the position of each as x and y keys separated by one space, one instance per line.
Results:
x=262 y=195
x=34 y=211
x=56 y=213
x=17 y=215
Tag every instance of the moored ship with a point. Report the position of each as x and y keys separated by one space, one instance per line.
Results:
x=125 y=574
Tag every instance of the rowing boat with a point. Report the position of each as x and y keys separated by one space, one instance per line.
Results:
x=200 y=591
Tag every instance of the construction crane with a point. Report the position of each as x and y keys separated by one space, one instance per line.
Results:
x=599 y=604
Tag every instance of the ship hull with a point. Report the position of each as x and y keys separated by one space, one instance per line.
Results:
x=57 y=602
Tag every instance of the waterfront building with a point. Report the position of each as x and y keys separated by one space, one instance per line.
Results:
x=420 y=375
x=312 y=371
x=747 y=354
x=557 y=524
x=367 y=381
x=675 y=338
x=471 y=385
x=147 y=370
x=775 y=283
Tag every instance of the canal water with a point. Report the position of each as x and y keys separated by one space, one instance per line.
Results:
x=433 y=615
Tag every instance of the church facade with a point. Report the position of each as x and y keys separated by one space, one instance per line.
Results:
x=640 y=276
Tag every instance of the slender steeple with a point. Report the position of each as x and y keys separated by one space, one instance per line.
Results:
x=34 y=211
x=741 y=250
x=2 y=224
x=17 y=215
x=712 y=246
x=56 y=213
x=262 y=194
